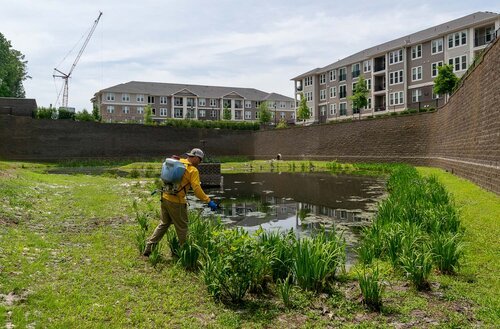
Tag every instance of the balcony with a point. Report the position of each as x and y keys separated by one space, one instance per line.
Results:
x=379 y=64
x=299 y=88
x=484 y=35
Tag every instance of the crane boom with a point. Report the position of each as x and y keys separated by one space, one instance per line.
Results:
x=66 y=76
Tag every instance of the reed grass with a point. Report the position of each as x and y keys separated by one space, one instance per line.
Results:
x=371 y=288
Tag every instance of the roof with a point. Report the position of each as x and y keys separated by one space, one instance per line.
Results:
x=169 y=89
x=411 y=39
x=17 y=106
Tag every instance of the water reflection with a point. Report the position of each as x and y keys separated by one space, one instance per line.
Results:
x=302 y=201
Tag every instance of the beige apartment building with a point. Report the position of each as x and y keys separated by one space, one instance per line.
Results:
x=400 y=73
x=126 y=102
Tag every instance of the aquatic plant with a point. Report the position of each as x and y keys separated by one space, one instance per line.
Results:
x=371 y=288
x=447 y=249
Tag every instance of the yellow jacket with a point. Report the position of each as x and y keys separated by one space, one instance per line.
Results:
x=191 y=178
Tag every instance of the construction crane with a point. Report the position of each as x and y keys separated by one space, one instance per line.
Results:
x=66 y=76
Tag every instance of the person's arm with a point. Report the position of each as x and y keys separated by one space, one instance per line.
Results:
x=196 y=186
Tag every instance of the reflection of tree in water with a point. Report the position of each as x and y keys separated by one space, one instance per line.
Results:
x=264 y=207
x=303 y=213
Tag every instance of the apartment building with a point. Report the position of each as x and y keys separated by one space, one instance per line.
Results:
x=126 y=102
x=400 y=73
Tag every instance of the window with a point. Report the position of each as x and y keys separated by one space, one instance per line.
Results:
x=368 y=83
x=369 y=104
x=396 y=56
x=343 y=108
x=322 y=79
x=459 y=63
x=110 y=97
x=292 y=115
x=248 y=104
x=322 y=94
x=213 y=113
x=282 y=105
x=342 y=74
x=435 y=96
x=190 y=101
x=126 y=110
x=178 y=101
x=416 y=52
x=395 y=77
x=178 y=112
x=333 y=75
x=342 y=91
x=333 y=109
x=139 y=98
x=355 y=70
x=282 y=115
x=308 y=81
x=163 y=100
x=202 y=113
x=434 y=68
x=111 y=109
x=333 y=92
x=437 y=46
x=248 y=115
x=416 y=73
x=125 y=98
x=163 y=112
x=213 y=102
x=140 y=110
x=309 y=96
x=257 y=104
x=396 y=98
x=416 y=95
x=367 y=66
x=151 y=99
x=257 y=115
x=457 y=39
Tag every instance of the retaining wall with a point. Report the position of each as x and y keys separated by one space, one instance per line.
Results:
x=463 y=136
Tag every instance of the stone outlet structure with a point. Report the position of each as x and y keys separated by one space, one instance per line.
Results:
x=462 y=137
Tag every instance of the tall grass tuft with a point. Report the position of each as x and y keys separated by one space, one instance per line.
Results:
x=189 y=255
x=317 y=259
x=173 y=242
x=447 y=249
x=285 y=288
x=417 y=264
x=371 y=289
x=155 y=257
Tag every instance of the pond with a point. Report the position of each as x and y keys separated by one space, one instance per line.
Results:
x=299 y=201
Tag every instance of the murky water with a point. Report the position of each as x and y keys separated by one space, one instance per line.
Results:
x=302 y=201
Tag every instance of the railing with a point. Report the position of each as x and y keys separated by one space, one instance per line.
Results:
x=379 y=87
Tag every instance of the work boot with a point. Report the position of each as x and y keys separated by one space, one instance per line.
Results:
x=147 y=250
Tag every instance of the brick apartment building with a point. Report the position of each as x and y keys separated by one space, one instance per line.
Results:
x=399 y=74
x=126 y=102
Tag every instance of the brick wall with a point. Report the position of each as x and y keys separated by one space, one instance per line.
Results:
x=462 y=137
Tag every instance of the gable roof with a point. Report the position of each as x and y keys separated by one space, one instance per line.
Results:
x=169 y=89
x=411 y=39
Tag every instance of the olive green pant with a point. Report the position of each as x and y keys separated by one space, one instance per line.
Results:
x=171 y=213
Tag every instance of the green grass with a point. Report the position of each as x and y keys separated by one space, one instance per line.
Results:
x=68 y=253
x=478 y=279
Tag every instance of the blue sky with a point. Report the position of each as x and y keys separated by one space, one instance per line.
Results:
x=254 y=43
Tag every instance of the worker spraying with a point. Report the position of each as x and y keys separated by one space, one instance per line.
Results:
x=178 y=176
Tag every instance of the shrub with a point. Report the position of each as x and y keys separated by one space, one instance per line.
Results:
x=65 y=114
x=45 y=113
x=84 y=116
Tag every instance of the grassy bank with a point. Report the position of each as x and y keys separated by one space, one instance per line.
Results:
x=478 y=279
x=68 y=258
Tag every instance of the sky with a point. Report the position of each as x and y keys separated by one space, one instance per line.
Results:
x=258 y=44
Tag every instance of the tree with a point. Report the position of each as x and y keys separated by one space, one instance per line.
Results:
x=446 y=80
x=226 y=115
x=264 y=113
x=96 y=114
x=12 y=70
x=84 y=116
x=148 y=115
x=359 y=96
x=303 y=112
